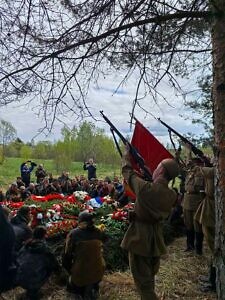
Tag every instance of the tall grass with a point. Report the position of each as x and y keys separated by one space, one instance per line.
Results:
x=10 y=169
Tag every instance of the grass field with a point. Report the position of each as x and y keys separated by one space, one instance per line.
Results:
x=10 y=169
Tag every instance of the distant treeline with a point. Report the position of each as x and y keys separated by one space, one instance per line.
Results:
x=76 y=144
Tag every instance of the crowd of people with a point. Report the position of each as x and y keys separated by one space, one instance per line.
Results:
x=46 y=184
x=155 y=202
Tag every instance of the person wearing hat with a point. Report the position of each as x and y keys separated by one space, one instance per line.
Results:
x=20 y=226
x=205 y=215
x=83 y=258
x=144 y=236
x=193 y=196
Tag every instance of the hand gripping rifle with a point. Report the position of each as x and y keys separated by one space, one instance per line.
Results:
x=194 y=149
x=139 y=160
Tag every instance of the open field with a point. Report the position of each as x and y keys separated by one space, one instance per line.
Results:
x=10 y=169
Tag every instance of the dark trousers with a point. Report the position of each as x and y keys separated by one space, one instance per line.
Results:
x=193 y=232
x=144 y=270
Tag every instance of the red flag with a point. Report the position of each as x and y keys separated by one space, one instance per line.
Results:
x=149 y=147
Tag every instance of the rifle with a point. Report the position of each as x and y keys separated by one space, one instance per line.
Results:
x=194 y=149
x=133 y=151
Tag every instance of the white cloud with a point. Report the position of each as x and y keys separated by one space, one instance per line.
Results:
x=116 y=106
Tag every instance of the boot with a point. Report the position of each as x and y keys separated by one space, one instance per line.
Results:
x=190 y=240
x=210 y=286
x=199 y=242
x=203 y=279
x=207 y=288
x=212 y=277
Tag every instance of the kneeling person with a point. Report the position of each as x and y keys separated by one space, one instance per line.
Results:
x=35 y=263
x=83 y=258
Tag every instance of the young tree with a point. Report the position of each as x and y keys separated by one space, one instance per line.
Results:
x=26 y=152
x=7 y=135
x=86 y=140
x=55 y=50
x=203 y=106
x=43 y=150
x=62 y=158
x=71 y=143
x=13 y=148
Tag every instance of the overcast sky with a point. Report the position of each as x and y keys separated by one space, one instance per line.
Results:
x=116 y=107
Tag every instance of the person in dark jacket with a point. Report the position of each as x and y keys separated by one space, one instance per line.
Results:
x=2 y=195
x=40 y=173
x=91 y=168
x=35 y=262
x=19 y=182
x=83 y=258
x=20 y=226
x=24 y=193
x=13 y=193
x=31 y=189
x=7 y=242
x=25 y=171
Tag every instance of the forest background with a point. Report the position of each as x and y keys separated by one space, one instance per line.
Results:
x=75 y=147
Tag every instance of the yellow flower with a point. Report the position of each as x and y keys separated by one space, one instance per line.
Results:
x=101 y=227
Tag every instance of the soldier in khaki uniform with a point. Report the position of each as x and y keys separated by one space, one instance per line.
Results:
x=194 y=187
x=206 y=216
x=144 y=237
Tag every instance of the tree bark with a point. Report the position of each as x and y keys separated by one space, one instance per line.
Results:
x=218 y=43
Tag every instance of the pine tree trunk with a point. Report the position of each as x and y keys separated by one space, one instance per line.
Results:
x=218 y=43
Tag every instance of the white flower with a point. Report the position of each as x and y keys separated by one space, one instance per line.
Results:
x=107 y=197
x=80 y=195
x=48 y=215
x=39 y=216
x=56 y=216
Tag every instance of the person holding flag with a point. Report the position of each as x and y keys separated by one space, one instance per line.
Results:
x=144 y=237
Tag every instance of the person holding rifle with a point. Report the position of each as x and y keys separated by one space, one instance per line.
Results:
x=144 y=237
x=193 y=196
x=205 y=215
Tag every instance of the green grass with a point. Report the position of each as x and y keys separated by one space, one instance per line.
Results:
x=10 y=169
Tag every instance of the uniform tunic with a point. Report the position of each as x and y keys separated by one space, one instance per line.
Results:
x=206 y=212
x=194 y=185
x=144 y=237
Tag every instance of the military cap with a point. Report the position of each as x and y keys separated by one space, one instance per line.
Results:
x=85 y=216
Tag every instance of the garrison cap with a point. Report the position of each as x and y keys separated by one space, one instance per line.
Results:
x=85 y=216
x=171 y=167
